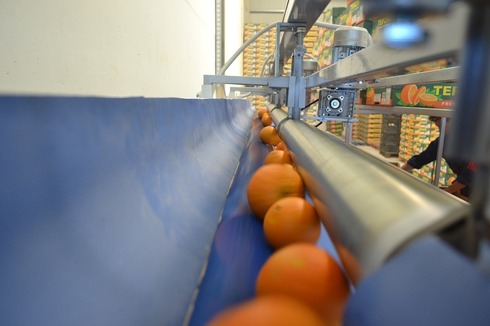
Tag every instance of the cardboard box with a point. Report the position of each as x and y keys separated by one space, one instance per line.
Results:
x=378 y=25
x=439 y=95
x=367 y=24
x=379 y=96
x=356 y=12
x=360 y=96
x=428 y=66
x=331 y=15
x=344 y=19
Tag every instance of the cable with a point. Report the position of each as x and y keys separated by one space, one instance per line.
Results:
x=310 y=104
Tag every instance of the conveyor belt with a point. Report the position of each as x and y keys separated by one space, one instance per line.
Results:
x=108 y=207
x=239 y=247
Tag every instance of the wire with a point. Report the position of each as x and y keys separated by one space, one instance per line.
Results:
x=318 y=124
x=307 y=106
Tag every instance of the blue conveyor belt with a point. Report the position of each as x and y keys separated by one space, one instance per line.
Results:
x=239 y=248
x=108 y=207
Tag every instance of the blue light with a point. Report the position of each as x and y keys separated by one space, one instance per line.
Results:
x=403 y=34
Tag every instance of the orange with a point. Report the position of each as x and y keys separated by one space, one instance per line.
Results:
x=268 y=135
x=416 y=97
x=290 y=220
x=408 y=92
x=267 y=311
x=270 y=183
x=278 y=156
x=309 y=274
x=266 y=119
x=262 y=111
x=428 y=99
x=281 y=145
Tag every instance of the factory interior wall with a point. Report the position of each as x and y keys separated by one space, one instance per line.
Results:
x=234 y=20
x=111 y=48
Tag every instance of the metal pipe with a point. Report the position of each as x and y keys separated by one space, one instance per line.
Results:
x=440 y=150
x=348 y=132
x=370 y=208
x=470 y=135
x=244 y=45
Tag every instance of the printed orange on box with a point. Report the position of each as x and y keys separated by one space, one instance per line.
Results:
x=441 y=95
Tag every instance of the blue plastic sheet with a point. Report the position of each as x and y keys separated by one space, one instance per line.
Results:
x=239 y=248
x=427 y=284
x=108 y=207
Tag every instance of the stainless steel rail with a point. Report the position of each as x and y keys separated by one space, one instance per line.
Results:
x=370 y=208
x=373 y=109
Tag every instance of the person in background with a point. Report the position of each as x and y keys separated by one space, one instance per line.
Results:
x=461 y=186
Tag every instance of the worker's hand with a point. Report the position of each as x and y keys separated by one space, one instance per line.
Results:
x=407 y=167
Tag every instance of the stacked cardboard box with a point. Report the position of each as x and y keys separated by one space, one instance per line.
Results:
x=322 y=48
x=369 y=128
x=335 y=127
x=255 y=55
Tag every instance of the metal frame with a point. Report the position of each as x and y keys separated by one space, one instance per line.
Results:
x=378 y=61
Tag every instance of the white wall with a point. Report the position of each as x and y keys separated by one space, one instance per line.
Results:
x=234 y=35
x=153 y=48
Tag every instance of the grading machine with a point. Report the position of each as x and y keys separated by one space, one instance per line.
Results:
x=133 y=211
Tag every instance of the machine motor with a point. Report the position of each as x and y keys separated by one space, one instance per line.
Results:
x=338 y=103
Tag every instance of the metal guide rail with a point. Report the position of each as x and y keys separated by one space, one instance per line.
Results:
x=370 y=208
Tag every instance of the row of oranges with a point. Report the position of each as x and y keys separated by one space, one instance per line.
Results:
x=300 y=283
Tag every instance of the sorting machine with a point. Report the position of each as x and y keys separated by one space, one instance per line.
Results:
x=133 y=211
x=392 y=229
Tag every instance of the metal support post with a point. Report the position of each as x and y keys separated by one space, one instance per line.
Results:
x=297 y=72
x=348 y=132
x=440 y=149
x=470 y=137
x=278 y=48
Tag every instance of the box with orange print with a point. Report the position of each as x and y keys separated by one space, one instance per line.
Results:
x=439 y=95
